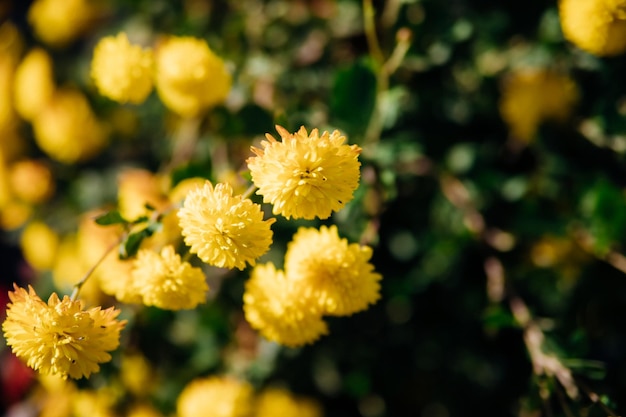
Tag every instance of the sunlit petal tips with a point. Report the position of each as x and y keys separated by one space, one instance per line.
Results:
x=60 y=337
x=306 y=175
x=224 y=230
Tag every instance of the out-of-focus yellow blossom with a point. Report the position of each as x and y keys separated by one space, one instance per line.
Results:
x=34 y=83
x=60 y=337
x=7 y=75
x=59 y=22
x=179 y=192
x=215 y=396
x=121 y=71
x=31 y=181
x=67 y=130
x=143 y=410
x=273 y=402
x=92 y=403
x=5 y=187
x=283 y=315
x=136 y=189
x=305 y=175
x=532 y=96
x=14 y=214
x=189 y=77
x=596 y=26
x=224 y=230
x=58 y=396
x=70 y=267
x=39 y=245
x=115 y=277
x=137 y=374
x=166 y=282
x=336 y=274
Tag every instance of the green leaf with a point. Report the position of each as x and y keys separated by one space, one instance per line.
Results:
x=109 y=218
x=353 y=96
x=131 y=244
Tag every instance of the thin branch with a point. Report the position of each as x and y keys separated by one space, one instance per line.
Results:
x=84 y=279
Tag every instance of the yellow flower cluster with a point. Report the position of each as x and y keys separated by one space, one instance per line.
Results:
x=188 y=76
x=60 y=337
x=532 y=96
x=219 y=396
x=121 y=71
x=280 y=402
x=59 y=22
x=223 y=229
x=305 y=175
x=596 y=26
x=224 y=397
x=67 y=129
x=164 y=281
x=324 y=275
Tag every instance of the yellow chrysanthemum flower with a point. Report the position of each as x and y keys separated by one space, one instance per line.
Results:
x=273 y=402
x=121 y=71
x=166 y=282
x=282 y=314
x=224 y=230
x=216 y=397
x=32 y=181
x=338 y=275
x=39 y=245
x=532 y=96
x=59 y=22
x=189 y=77
x=60 y=337
x=34 y=83
x=596 y=26
x=306 y=175
x=67 y=130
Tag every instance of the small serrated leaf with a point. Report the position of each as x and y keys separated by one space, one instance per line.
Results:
x=110 y=218
x=130 y=245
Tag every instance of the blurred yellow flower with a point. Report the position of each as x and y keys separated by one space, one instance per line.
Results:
x=94 y=403
x=143 y=410
x=280 y=313
x=305 y=175
x=167 y=282
x=273 y=402
x=70 y=267
x=596 y=26
x=224 y=230
x=215 y=397
x=115 y=277
x=67 y=130
x=14 y=214
x=137 y=374
x=59 y=22
x=60 y=337
x=136 y=189
x=34 y=83
x=189 y=77
x=39 y=244
x=121 y=71
x=336 y=274
x=31 y=181
x=532 y=96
